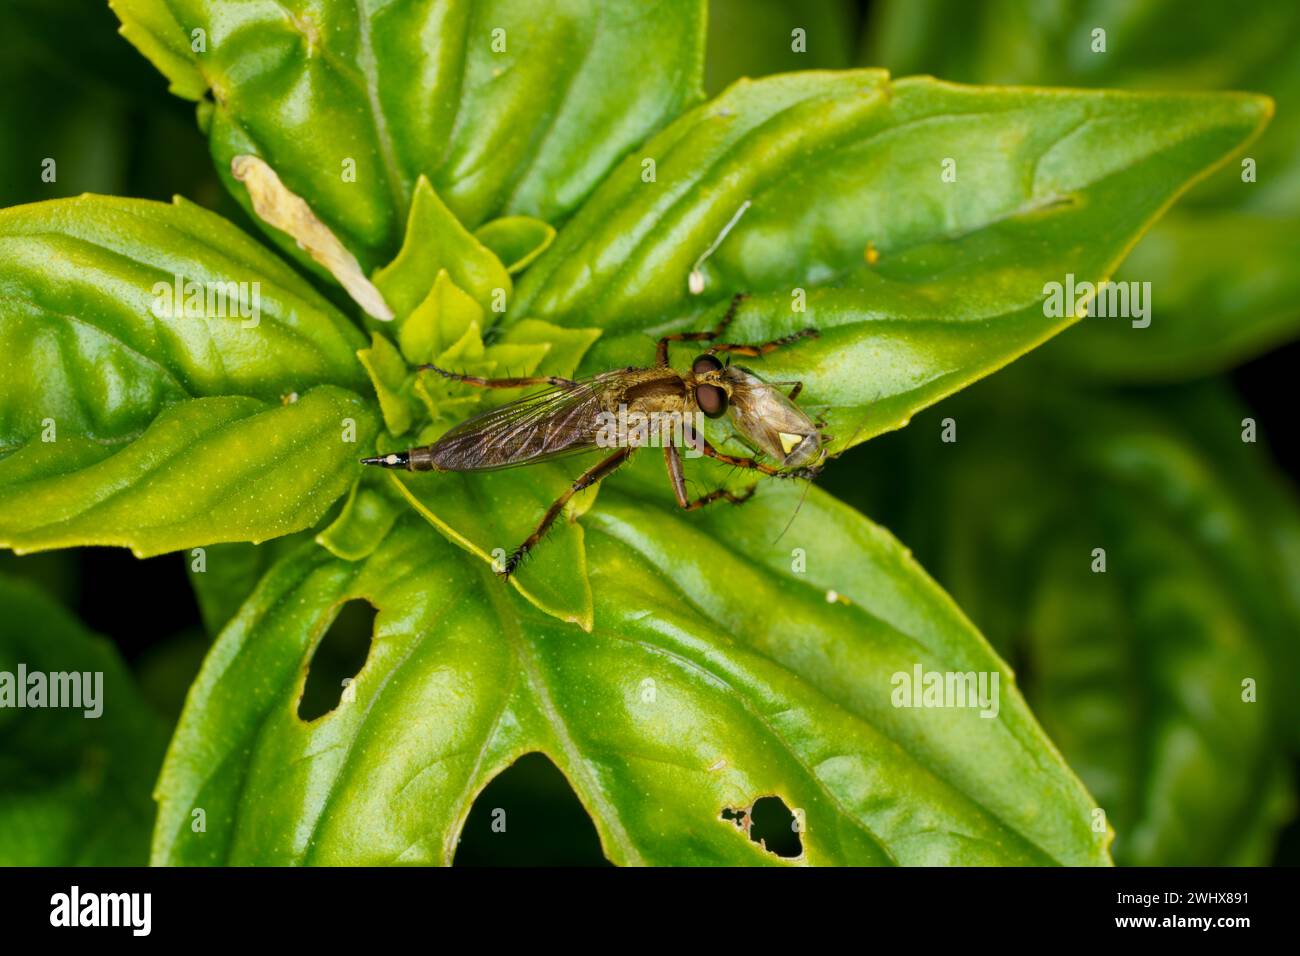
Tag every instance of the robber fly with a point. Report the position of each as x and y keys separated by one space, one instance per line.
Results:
x=563 y=418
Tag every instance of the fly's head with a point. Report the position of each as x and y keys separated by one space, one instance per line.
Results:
x=760 y=412
x=708 y=384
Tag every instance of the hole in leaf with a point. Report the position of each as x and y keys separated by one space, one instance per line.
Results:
x=529 y=816
x=339 y=656
x=769 y=823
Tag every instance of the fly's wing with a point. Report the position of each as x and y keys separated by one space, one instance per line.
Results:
x=561 y=420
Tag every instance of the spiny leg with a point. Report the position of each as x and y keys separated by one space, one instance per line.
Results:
x=673 y=461
x=701 y=443
x=597 y=472
x=722 y=494
x=661 y=352
x=763 y=348
x=481 y=382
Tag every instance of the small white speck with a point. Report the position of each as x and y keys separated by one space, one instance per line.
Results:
x=719 y=765
x=391 y=459
x=832 y=597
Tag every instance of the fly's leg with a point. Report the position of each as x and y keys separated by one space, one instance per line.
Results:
x=764 y=347
x=673 y=461
x=701 y=443
x=595 y=473
x=722 y=494
x=497 y=382
x=794 y=392
x=661 y=352
x=820 y=424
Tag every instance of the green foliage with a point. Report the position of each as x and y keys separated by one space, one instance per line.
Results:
x=1221 y=267
x=74 y=789
x=919 y=285
x=525 y=121
x=1143 y=577
x=533 y=201
x=755 y=685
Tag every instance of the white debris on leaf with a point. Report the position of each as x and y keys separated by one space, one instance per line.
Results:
x=695 y=281
x=288 y=212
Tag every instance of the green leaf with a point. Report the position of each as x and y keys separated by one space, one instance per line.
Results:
x=74 y=789
x=489 y=514
x=1136 y=671
x=81 y=344
x=919 y=286
x=436 y=242
x=206 y=470
x=1221 y=267
x=365 y=519
x=392 y=382
x=669 y=712
x=133 y=415
x=403 y=91
x=516 y=240
x=1150 y=45
x=230 y=572
x=565 y=346
x=439 y=322
x=154 y=31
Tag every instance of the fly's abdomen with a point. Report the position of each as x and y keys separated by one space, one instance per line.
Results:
x=425 y=459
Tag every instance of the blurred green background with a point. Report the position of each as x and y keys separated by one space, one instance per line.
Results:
x=1110 y=437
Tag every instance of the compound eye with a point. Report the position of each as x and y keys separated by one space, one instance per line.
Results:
x=712 y=400
x=705 y=363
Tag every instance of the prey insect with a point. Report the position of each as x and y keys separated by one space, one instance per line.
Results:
x=571 y=417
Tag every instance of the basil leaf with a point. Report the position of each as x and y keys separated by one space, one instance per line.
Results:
x=95 y=338
x=1139 y=567
x=205 y=471
x=505 y=109
x=714 y=673
x=919 y=286
x=1221 y=267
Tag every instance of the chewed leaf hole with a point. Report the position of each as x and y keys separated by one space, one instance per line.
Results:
x=339 y=657
x=771 y=824
x=529 y=816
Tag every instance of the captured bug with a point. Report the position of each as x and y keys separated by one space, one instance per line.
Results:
x=566 y=419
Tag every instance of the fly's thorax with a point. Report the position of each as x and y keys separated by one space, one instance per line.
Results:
x=653 y=390
x=648 y=408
